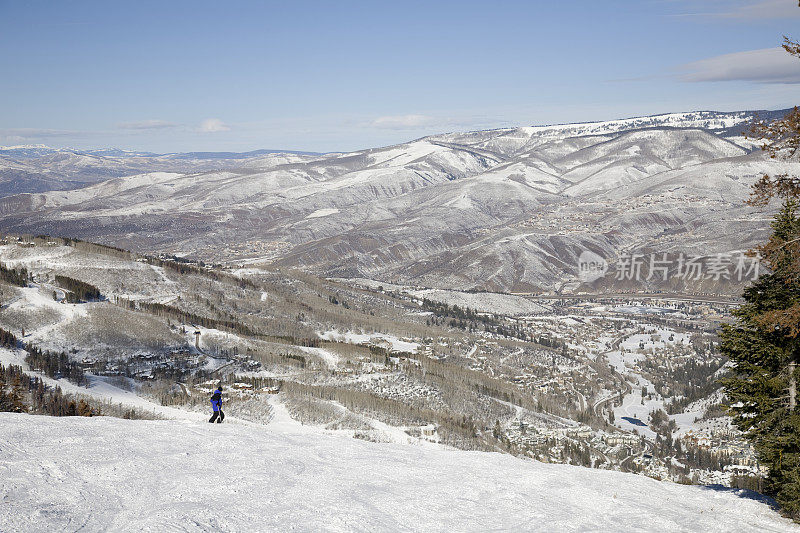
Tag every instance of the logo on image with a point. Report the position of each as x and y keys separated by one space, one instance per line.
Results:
x=591 y=267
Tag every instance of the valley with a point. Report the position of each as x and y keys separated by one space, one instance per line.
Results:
x=619 y=383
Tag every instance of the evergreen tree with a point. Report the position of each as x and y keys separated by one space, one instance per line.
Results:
x=7 y=339
x=5 y=400
x=764 y=345
x=16 y=398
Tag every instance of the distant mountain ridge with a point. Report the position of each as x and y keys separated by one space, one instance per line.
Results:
x=507 y=210
x=713 y=120
x=39 y=168
x=39 y=150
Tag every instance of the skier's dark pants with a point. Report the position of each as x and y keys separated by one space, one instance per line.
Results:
x=216 y=414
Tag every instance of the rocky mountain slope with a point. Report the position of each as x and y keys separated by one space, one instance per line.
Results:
x=502 y=210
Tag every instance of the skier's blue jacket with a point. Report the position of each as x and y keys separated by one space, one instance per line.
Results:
x=216 y=400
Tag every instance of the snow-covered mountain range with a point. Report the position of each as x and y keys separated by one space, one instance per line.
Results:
x=507 y=209
x=39 y=168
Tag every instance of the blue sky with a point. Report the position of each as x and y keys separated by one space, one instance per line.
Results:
x=329 y=76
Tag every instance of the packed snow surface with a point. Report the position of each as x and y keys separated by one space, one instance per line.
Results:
x=101 y=474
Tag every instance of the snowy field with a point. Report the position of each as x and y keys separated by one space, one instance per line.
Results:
x=361 y=338
x=105 y=474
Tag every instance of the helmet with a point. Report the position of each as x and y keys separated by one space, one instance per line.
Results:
x=219 y=387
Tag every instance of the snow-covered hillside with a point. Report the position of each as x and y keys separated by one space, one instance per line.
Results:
x=498 y=210
x=38 y=168
x=101 y=474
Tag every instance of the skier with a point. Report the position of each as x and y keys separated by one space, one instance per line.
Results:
x=216 y=405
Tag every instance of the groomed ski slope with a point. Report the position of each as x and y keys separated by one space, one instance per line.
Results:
x=105 y=474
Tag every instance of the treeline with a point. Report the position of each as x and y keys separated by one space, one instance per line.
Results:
x=15 y=276
x=470 y=320
x=548 y=341
x=463 y=315
x=301 y=361
x=55 y=365
x=705 y=459
x=8 y=339
x=21 y=393
x=91 y=247
x=76 y=290
x=308 y=342
x=452 y=377
x=183 y=267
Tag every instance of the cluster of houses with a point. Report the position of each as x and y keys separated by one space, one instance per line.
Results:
x=235 y=389
x=724 y=444
x=568 y=223
x=256 y=248
x=523 y=433
x=148 y=366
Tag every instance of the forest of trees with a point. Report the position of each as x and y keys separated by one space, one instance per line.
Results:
x=78 y=291
x=55 y=365
x=8 y=339
x=14 y=276
x=183 y=266
x=464 y=317
x=21 y=393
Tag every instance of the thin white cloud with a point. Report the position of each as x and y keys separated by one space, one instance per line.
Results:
x=11 y=140
x=29 y=134
x=765 y=9
x=744 y=10
x=769 y=65
x=39 y=136
x=213 y=125
x=403 y=122
x=153 y=124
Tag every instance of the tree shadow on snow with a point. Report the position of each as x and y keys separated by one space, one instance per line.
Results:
x=745 y=494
